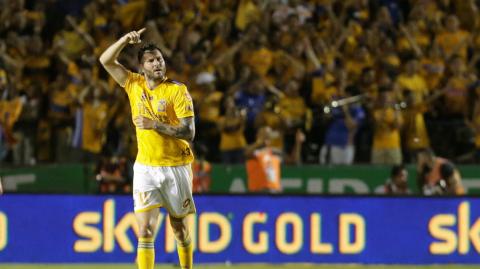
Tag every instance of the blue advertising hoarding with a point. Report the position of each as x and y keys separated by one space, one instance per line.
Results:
x=267 y=229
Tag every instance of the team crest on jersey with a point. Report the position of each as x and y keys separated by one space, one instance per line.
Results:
x=162 y=106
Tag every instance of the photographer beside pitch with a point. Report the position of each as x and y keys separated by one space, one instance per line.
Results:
x=436 y=175
x=162 y=112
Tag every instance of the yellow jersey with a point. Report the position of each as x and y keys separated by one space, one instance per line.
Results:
x=456 y=96
x=95 y=121
x=415 y=83
x=167 y=103
x=385 y=136
x=274 y=121
x=449 y=42
x=292 y=108
x=415 y=130
x=234 y=139
x=261 y=61
x=322 y=89
x=209 y=109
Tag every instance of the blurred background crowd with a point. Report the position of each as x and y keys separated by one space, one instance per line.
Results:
x=336 y=81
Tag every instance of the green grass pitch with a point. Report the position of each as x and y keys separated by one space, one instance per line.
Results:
x=240 y=266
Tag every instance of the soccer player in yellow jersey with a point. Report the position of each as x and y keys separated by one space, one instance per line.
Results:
x=162 y=112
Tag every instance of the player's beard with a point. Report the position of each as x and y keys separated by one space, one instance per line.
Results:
x=156 y=75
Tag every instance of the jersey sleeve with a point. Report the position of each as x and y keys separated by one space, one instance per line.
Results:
x=130 y=82
x=183 y=103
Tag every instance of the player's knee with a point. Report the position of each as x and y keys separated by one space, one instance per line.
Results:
x=146 y=230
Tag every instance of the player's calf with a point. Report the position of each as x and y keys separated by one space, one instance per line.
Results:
x=184 y=243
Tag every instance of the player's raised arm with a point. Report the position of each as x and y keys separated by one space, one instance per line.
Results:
x=109 y=57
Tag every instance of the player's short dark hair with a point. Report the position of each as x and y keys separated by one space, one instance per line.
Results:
x=446 y=170
x=146 y=47
x=396 y=170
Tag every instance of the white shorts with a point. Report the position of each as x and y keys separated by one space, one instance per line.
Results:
x=163 y=186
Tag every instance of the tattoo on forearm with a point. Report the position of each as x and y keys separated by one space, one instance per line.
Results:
x=183 y=131
x=186 y=129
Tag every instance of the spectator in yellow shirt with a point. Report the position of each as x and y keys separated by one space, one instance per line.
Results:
x=10 y=109
x=209 y=110
x=387 y=57
x=294 y=111
x=387 y=122
x=292 y=106
x=415 y=131
x=456 y=95
x=412 y=40
x=91 y=120
x=411 y=80
x=360 y=59
x=260 y=59
x=247 y=13
x=453 y=40
x=232 y=139
x=270 y=117
x=433 y=67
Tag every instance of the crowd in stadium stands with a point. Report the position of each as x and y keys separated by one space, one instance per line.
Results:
x=337 y=81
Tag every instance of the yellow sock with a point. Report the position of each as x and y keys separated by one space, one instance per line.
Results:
x=185 y=255
x=145 y=253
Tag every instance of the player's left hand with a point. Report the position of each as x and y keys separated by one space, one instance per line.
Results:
x=143 y=122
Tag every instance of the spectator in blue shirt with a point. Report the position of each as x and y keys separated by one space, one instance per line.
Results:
x=251 y=97
x=339 y=147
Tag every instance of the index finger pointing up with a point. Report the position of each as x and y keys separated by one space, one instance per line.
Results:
x=141 y=30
